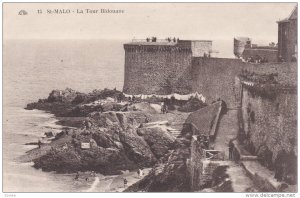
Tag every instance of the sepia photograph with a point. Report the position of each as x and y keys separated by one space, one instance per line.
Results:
x=150 y=97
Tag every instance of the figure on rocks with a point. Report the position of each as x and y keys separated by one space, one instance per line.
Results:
x=230 y=148
x=77 y=176
x=39 y=143
x=125 y=182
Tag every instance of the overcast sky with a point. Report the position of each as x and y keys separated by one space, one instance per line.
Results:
x=183 y=20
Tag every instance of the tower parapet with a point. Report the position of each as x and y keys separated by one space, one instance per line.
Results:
x=161 y=66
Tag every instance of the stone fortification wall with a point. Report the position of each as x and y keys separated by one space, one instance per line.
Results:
x=199 y=48
x=215 y=77
x=201 y=170
x=269 y=54
x=157 y=69
x=270 y=122
x=166 y=69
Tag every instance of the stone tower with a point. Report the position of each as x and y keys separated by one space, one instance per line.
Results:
x=161 y=67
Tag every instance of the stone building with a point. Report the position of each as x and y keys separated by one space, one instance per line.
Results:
x=239 y=45
x=244 y=48
x=161 y=66
x=287 y=37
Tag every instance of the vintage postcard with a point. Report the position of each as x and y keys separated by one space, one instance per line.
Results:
x=150 y=97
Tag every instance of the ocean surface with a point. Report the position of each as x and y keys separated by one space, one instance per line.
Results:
x=31 y=69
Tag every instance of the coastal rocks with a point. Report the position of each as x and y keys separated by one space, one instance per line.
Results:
x=108 y=144
x=57 y=108
x=136 y=148
x=103 y=160
x=67 y=95
x=69 y=103
x=106 y=140
x=172 y=176
x=49 y=134
x=120 y=119
x=109 y=152
x=159 y=140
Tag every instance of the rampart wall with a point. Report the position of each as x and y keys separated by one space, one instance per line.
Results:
x=269 y=54
x=157 y=69
x=271 y=122
x=215 y=77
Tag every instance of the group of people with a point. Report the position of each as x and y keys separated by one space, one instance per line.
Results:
x=169 y=39
x=153 y=39
x=256 y=59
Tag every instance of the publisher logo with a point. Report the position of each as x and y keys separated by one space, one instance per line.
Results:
x=23 y=12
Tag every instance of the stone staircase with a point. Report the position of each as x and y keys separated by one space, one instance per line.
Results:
x=228 y=129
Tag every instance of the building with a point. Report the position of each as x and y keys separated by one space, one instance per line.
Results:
x=243 y=48
x=287 y=37
x=161 y=66
x=240 y=43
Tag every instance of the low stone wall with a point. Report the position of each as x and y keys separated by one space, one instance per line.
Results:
x=201 y=169
x=262 y=177
x=206 y=119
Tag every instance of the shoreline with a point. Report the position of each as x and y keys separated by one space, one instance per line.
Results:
x=92 y=187
x=121 y=137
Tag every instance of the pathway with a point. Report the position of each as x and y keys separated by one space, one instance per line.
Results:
x=240 y=181
x=228 y=129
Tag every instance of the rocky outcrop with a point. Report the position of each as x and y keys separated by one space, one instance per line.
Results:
x=159 y=140
x=114 y=145
x=136 y=148
x=67 y=95
x=108 y=140
x=169 y=176
x=99 y=159
x=69 y=103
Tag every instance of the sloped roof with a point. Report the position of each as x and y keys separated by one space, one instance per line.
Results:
x=294 y=13
x=293 y=16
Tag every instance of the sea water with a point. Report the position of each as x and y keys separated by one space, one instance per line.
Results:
x=31 y=69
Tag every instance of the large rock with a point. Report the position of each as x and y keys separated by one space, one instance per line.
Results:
x=106 y=119
x=107 y=138
x=137 y=148
x=103 y=160
x=121 y=119
x=172 y=176
x=67 y=95
x=115 y=146
x=159 y=139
